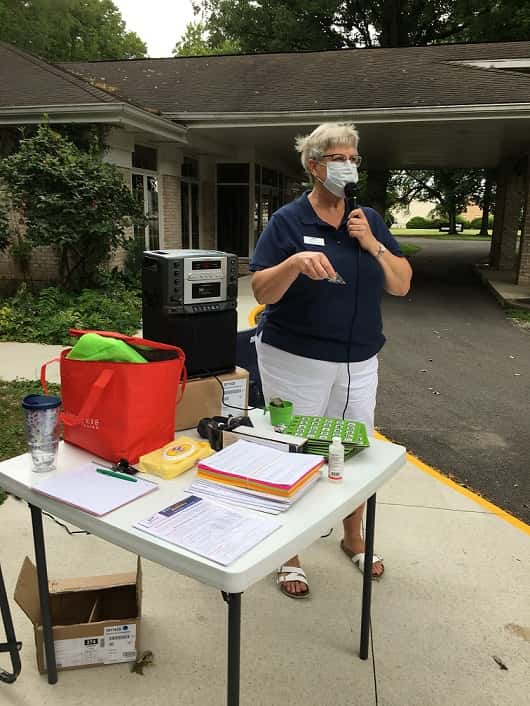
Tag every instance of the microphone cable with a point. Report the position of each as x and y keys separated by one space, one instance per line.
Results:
x=351 y=191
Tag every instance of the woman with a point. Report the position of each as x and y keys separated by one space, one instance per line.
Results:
x=321 y=272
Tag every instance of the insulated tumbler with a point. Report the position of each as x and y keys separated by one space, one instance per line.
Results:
x=42 y=430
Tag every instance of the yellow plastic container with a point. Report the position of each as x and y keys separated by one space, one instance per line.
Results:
x=174 y=458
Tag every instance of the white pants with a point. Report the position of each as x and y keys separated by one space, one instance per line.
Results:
x=319 y=387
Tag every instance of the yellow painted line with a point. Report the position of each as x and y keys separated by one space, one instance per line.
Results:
x=490 y=507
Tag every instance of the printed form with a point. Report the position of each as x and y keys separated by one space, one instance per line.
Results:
x=215 y=532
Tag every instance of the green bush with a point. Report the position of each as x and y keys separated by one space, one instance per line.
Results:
x=46 y=316
x=418 y=223
x=476 y=223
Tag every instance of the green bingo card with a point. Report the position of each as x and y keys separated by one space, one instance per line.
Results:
x=319 y=431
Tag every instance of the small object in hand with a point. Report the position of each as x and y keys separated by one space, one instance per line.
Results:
x=276 y=402
x=337 y=279
x=145 y=659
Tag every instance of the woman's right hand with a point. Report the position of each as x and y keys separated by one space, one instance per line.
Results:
x=313 y=264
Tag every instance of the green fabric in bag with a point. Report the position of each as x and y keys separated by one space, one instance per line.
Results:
x=92 y=346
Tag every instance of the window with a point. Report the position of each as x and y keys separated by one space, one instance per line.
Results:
x=233 y=207
x=145 y=189
x=144 y=158
x=189 y=194
x=232 y=218
x=269 y=197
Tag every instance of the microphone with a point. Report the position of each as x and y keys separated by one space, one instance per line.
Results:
x=351 y=191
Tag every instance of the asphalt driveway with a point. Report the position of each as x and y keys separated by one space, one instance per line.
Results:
x=455 y=376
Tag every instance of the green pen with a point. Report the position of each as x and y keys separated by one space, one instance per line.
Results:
x=115 y=474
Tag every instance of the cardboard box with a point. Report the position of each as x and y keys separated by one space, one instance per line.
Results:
x=202 y=398
x=96 y=620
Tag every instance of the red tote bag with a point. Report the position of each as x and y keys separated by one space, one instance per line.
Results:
x=121 y=410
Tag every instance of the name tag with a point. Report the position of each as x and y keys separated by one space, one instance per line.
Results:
x=313 y=240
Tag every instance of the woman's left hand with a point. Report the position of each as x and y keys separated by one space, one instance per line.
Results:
x=359 y=228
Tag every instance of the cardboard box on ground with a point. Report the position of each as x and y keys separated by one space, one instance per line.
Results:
x=96 y=620
x=204 y=397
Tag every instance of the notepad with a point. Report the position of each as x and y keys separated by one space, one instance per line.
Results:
x=93 y=492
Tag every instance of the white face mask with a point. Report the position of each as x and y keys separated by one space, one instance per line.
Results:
x=338 y=174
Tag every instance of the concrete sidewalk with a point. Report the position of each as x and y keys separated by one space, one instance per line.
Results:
x=454 y=596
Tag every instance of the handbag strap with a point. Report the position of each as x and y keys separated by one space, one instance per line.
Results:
x=96 y=390
x=43 y=367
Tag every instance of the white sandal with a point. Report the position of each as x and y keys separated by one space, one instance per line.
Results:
x=285 y=574
x=358 y=560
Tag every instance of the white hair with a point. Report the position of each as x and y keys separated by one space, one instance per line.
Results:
x=316 y=144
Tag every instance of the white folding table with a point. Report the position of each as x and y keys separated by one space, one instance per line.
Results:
x=319 y=509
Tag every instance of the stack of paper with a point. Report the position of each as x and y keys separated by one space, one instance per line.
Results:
x=256 y=476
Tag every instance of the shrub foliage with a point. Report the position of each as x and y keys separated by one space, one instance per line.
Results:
x=70 y=200
x=46 y=317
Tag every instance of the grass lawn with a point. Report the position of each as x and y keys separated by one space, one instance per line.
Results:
x=520 y=314
x=436 y=235
x=12 y=434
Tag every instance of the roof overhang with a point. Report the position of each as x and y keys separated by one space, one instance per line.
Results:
x=380 y=115
x=121 y=114
x=470 y=136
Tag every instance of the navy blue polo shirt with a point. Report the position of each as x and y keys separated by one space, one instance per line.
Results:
x=315 y=318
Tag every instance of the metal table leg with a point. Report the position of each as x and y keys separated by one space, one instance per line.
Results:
x=44 y=596
x=11 y=646
x=234 y=644
x=367 y=576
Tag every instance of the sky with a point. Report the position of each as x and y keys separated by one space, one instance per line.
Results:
x=159 y=23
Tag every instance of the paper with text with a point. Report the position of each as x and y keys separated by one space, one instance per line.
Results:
x=209 y=529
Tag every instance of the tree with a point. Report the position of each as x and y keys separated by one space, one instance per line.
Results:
x=452 y=190
x=297 y=25
x=195 y=42
x=68 y=30
x=271 y=25
x=496 y=21
x=70 y=200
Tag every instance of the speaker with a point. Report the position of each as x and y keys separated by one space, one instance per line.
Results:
x=208 y=339
x=189 y=300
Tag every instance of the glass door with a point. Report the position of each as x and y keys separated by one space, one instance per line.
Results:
x=145 y=188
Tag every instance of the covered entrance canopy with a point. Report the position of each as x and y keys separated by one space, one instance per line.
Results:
x=438 y=106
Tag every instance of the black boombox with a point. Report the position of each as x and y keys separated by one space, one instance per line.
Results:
x=189 y=299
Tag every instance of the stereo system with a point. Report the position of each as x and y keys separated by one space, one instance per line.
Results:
x=189 y=300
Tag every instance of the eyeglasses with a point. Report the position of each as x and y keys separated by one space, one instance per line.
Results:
x=356 y=159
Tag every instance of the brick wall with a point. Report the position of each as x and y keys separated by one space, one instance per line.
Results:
x=170 y=202
x=43 y=269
